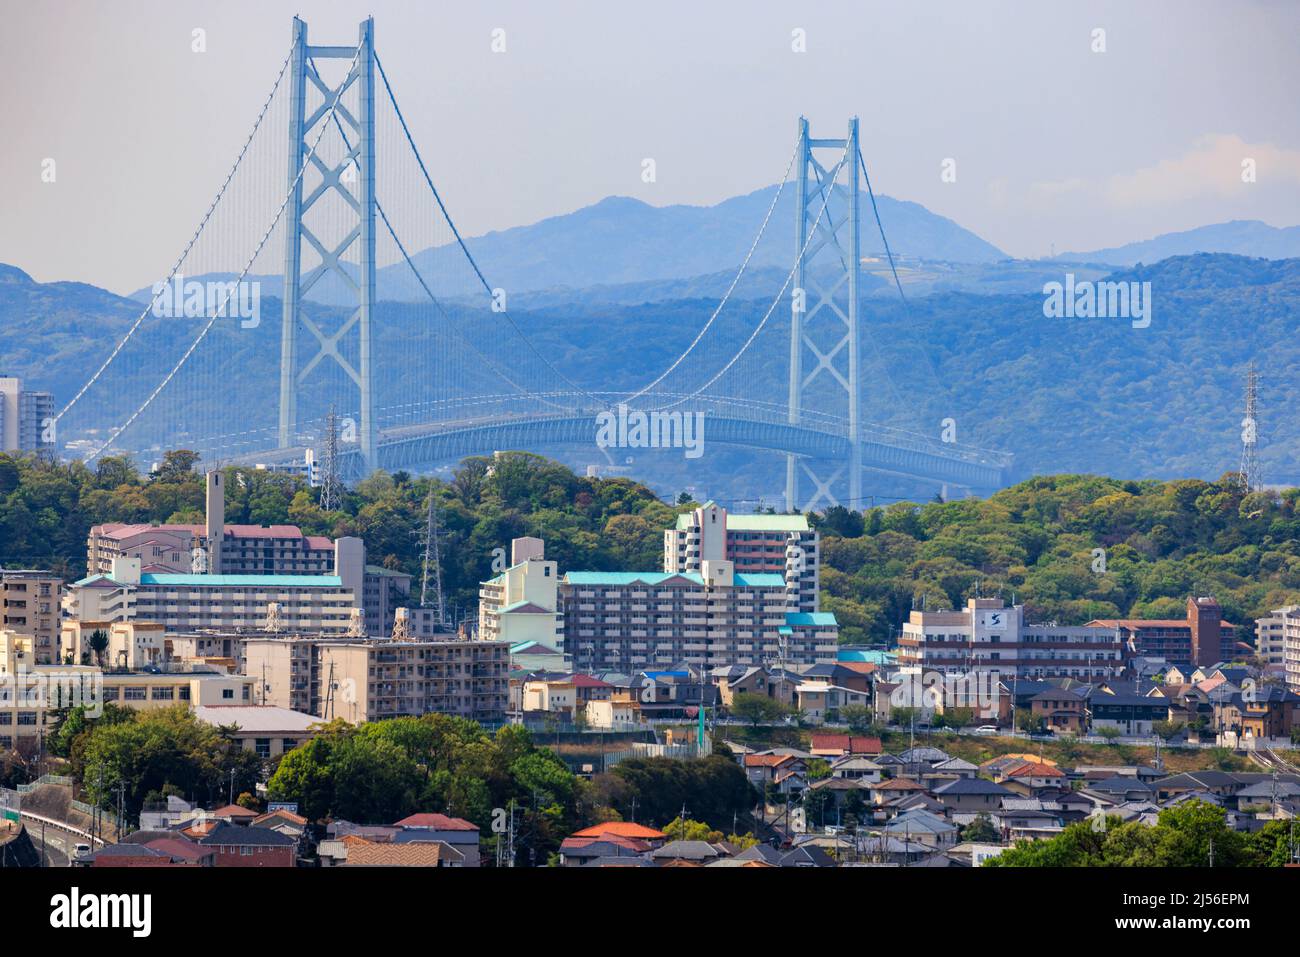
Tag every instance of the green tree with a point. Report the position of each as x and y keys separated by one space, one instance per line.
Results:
x=757 y=708
x=982 y=830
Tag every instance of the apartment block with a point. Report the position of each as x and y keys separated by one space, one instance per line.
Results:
x=369 y=679
x=220 y=549
x=24 y=417
x=522 y=603
x=29 y=603
x=1274 y=632
x=780 y=544
x=1277 y=641
x=987 y=636
x=1201 y=639
x=632 y=621
x=315 y=603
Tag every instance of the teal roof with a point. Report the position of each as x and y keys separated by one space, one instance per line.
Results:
x=754 y=580
x=810 y=618
x=532 y=648
x=521 y=604
x=248 y=581
x=869 y=655
x=96 y=578
x=760 y=580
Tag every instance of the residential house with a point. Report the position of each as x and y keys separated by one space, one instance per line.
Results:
x=453 y=831
x=972 y=794
x=239 y=845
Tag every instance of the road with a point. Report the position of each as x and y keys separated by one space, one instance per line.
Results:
x=57 y=845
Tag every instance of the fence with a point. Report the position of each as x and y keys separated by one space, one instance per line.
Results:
x=644 y=750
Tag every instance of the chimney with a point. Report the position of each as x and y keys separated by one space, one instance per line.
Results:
x=216 y=519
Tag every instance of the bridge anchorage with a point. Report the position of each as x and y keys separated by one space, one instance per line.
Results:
x=425 y=369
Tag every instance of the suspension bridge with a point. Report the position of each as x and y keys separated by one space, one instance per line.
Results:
x=327 y=282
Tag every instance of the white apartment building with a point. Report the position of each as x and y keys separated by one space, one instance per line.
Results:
x=637 y=621
x=1272 y=632
x=522 y=603
x=781 y=544
x=987 y=636
x=317 y=603
x=1277 y=641
x=32 y=694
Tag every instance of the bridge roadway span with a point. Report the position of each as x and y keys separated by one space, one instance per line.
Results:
x=412 y=446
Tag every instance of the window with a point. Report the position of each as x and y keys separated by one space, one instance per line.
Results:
x=288 y=744
x=133 y=694
x=263 y=747
x=162 y=694
x=184 y=693
x=27 y=717
x=227 y=694
x=6 y=717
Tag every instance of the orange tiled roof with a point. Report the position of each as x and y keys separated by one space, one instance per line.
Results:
x=1035 y=769
x=622 y=829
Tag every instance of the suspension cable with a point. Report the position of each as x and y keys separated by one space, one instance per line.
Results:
x=231 y=287
x=780 y=294
x=188 y=246
x=459 y=240
x=401 y=247
x=734 y=282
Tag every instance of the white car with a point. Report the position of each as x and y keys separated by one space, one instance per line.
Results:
x=987 y=729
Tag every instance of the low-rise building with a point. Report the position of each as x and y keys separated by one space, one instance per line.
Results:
x=988 y=637
x=31 y=693
x=264 y=729
x=1202 y=638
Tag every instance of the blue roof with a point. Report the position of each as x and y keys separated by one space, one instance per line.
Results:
x=810 y=618
x=248 y=581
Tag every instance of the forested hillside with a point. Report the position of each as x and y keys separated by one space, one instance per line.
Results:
x=1034 y=541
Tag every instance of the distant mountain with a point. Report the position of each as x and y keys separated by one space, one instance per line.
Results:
x=620 y=241
x=1243 y=237
x=623 y=240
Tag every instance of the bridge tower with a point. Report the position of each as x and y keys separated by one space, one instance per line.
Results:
x=824 y=309
x=359 y=134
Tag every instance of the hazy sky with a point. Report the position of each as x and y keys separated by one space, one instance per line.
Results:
x=1054 y=143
